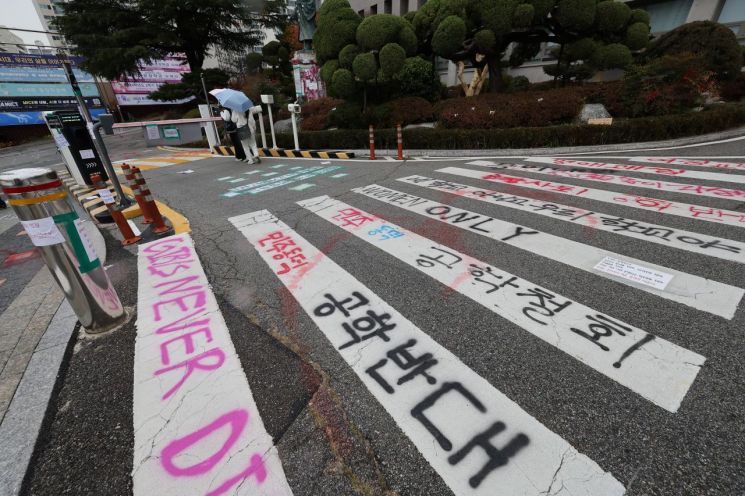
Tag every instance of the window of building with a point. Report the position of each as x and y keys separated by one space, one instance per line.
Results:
x=668 y=15
x=732 y=11
x=361 y=12
x=388 y=7
x=420 y=3
x=373 y=9
x=404 y=7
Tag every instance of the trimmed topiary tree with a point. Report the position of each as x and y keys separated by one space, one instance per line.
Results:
x=374 y=55
x=337 y=28
x=392 y=58
x=481 y=31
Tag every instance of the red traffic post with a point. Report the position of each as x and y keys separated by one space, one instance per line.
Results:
x=372 y=142
x=159 y=225
x=400 y=139
x=108 y=199
x=130 y=177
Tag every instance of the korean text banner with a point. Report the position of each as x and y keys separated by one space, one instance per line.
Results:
x=27 y=118
x=39 y=74
x=48 y=90
x=15 y=59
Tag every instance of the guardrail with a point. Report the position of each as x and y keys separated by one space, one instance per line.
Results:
x=120 y=125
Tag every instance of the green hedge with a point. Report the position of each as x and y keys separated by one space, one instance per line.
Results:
x=718 y=118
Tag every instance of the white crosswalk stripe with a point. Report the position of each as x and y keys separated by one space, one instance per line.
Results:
x=197 y=427
x=642 y=169
x=493 y=444
x=599 y=177
x=726 y=249
x=650 y=204
x=423 y=385
x=694 y=291
x=690 y=162
x=656 y=369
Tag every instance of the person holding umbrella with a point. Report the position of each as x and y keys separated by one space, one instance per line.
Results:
x=232 y=131
x=239 y=105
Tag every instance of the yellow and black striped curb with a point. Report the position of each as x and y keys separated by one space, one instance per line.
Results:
x=284 y=153
x=92 y=203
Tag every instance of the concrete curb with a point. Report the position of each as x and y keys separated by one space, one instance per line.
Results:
x=23 y=421
x=731 y=133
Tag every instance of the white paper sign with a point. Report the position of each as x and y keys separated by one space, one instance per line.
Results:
x=152 y=132
x=43 y=232
x=170 y=133
x=87 y=244
x=633 y=272
x=106 y=196
x=86 y=154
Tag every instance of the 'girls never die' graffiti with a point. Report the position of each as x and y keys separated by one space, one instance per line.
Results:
x=726 y=249
x=654 y=368
x=197 y=428
x=476 y=438
x=699 y=212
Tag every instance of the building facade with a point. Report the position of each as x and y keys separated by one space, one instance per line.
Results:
x=10 y=43
x=48 y=10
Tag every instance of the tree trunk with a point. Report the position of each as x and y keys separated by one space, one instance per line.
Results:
x=495 y=73
x=195 y=60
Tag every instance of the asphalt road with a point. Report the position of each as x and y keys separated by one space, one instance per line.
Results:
x=662 y=413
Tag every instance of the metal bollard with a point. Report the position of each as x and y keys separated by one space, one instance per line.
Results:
x=400 y=139
x=132 y=182
x=129 y=236
x=159 y=225
x=372 y=142
x=42 y=205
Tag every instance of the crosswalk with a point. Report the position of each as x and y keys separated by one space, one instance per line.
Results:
x=474 y=434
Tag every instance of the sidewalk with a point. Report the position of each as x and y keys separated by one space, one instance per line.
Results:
x=36 y=328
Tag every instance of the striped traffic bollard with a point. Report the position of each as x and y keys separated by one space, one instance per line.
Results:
x=372 y=143
x=159 y=225
x=400 y=139
x=103 y=192
x=51 y=223
x=130 y=177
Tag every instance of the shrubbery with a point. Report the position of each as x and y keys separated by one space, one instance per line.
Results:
x=715 y=43
x=622 y=131
x=504 y=111
x=315 y=113
x=667 y=85
x=410 y=110
x=733 y=90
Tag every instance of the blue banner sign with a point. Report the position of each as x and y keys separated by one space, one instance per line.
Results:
x=32 y=89
x=16 y=59
x=22 y=74
x=27 y=118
